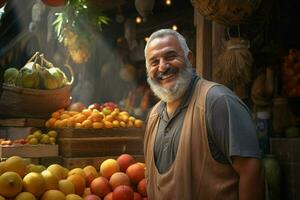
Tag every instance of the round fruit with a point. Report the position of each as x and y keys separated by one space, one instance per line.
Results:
x=108 y=167
x=10 y=184
x=119 y=178
x=136 y=172
x=100 y=186
x=34 y=183
x=142 y=187
x=123 y=192
x=16 y=164
x=53 y=195
x=10 y=74
x=25 y=196
x=124 y=161
x=66 y=186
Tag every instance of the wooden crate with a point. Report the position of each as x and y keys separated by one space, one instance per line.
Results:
x=28 y=151
x=22 y=122
x=100 y=142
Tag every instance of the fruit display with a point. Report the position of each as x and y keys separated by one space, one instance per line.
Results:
x=291 y=73
x=37 y=73
x=105 y=116
x=20 y=179
x=38 y=137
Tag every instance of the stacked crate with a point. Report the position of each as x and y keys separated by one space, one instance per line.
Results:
x=79 y=147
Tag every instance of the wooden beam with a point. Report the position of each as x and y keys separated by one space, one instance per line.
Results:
x=203 y=46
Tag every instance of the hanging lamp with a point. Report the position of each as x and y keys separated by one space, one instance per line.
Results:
x=144 y=7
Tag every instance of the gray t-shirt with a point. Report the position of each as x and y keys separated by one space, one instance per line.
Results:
x=231 y=130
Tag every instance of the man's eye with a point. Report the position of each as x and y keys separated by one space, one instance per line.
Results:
x=170 y=57
x=154 y=63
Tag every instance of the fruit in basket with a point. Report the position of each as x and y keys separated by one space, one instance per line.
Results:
x=59 y=75
x=10 y=75
x=108 y=167
x=10 y=184
x=28 y=76
x=49 y=81
x=53 y=195
x=25 y=196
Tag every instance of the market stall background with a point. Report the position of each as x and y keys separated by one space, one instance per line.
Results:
x=270 y=85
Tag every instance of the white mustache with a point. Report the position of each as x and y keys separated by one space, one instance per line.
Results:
x=170 y=70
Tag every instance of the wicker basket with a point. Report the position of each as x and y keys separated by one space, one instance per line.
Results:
x=32 y=103
x=229 y=12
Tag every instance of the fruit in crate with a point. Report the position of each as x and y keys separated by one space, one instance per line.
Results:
x=78 y=116
x=10 y=75
x=38 y=137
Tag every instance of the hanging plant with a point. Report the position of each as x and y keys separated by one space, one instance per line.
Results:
x=74 y=26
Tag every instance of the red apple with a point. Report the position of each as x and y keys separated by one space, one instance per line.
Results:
x=94 y=106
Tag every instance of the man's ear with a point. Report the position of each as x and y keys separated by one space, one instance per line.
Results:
x=190 y=57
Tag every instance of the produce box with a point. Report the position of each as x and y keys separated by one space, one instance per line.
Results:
x=28 y=151
x=80 y=142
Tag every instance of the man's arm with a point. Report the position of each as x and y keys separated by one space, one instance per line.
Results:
x=251 y=182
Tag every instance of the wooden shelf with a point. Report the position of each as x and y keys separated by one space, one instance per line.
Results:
x=29 y=151
x=22 y=122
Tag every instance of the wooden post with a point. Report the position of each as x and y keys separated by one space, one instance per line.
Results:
x=203 y=46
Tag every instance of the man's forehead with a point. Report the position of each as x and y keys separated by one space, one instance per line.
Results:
x=162 y=45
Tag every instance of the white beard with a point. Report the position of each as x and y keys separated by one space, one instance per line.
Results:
x=171 y=94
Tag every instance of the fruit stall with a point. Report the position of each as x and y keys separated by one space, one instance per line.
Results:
x=74 y=95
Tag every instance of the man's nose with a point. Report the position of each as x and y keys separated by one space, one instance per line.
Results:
x=163 y=65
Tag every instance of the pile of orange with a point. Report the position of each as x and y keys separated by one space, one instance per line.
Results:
x=92 y=118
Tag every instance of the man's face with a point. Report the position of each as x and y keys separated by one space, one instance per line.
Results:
x=168 y=74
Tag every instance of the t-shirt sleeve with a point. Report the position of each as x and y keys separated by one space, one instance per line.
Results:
x=231 y=126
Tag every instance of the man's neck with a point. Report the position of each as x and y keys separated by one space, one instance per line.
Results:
x=172 y=106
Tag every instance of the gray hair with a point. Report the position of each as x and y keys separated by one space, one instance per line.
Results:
x=164 y=33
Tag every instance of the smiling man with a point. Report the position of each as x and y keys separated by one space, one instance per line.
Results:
x=200 y=140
